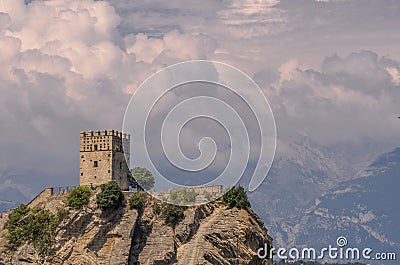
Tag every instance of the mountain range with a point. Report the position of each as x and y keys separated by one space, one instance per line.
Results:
x=314 y=196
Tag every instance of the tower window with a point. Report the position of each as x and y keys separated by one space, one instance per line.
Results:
x=95 y=147
x=82 y=156
x=95 y=164
x=95 y=177
x=81 y=174
x=120 y=165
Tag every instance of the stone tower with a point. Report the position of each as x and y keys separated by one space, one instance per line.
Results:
x=102 y=158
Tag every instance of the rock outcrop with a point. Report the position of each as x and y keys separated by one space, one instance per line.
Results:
x=208 y=234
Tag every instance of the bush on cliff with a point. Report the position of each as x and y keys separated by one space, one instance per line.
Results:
x=185 y=196
x=62 y=214
x=143 y=177
x=173 y=214
x=236 y=197
x=137 y=201
x=31 y=225
x=110 y=197
x=78 y=197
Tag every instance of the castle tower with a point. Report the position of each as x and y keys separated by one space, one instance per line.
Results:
x=102 y=158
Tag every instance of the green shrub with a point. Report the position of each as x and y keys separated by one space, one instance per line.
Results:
x=78 y=197
x=143 y=177
x=16 y=224
x=137 y=201
x=236 y=197
x=31 y=225
x=186 y=196
x=62 y=214
x=110 y=197
x=173 y=214
x=157 y=208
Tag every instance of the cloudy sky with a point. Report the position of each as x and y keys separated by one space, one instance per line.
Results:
x=330 y=69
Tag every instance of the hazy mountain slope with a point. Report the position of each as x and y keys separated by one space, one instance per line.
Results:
x=10 y=198
x=366 y=210
x=18 y=186
x=296 y=180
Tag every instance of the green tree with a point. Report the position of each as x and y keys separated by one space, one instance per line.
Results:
x=157 y=208
x=32 y=225
x=16 y=224
x=62 y=214
x=137 y=201
x=110 y=197
x=173 y=214
x=236 y=197
x=143 y=177
x=187 y=196
x=78 y=197
x=43 y=224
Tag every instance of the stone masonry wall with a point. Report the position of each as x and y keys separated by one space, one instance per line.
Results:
x=102 y=158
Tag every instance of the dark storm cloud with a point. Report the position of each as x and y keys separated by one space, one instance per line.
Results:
x=67 y=66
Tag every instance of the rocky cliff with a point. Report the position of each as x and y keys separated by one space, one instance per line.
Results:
x=208 y=234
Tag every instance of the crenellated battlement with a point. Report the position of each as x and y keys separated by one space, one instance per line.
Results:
x=104 y=141
x=106 y=133
x=104 y=156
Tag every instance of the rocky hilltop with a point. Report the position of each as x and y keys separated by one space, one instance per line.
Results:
x=207 y=234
